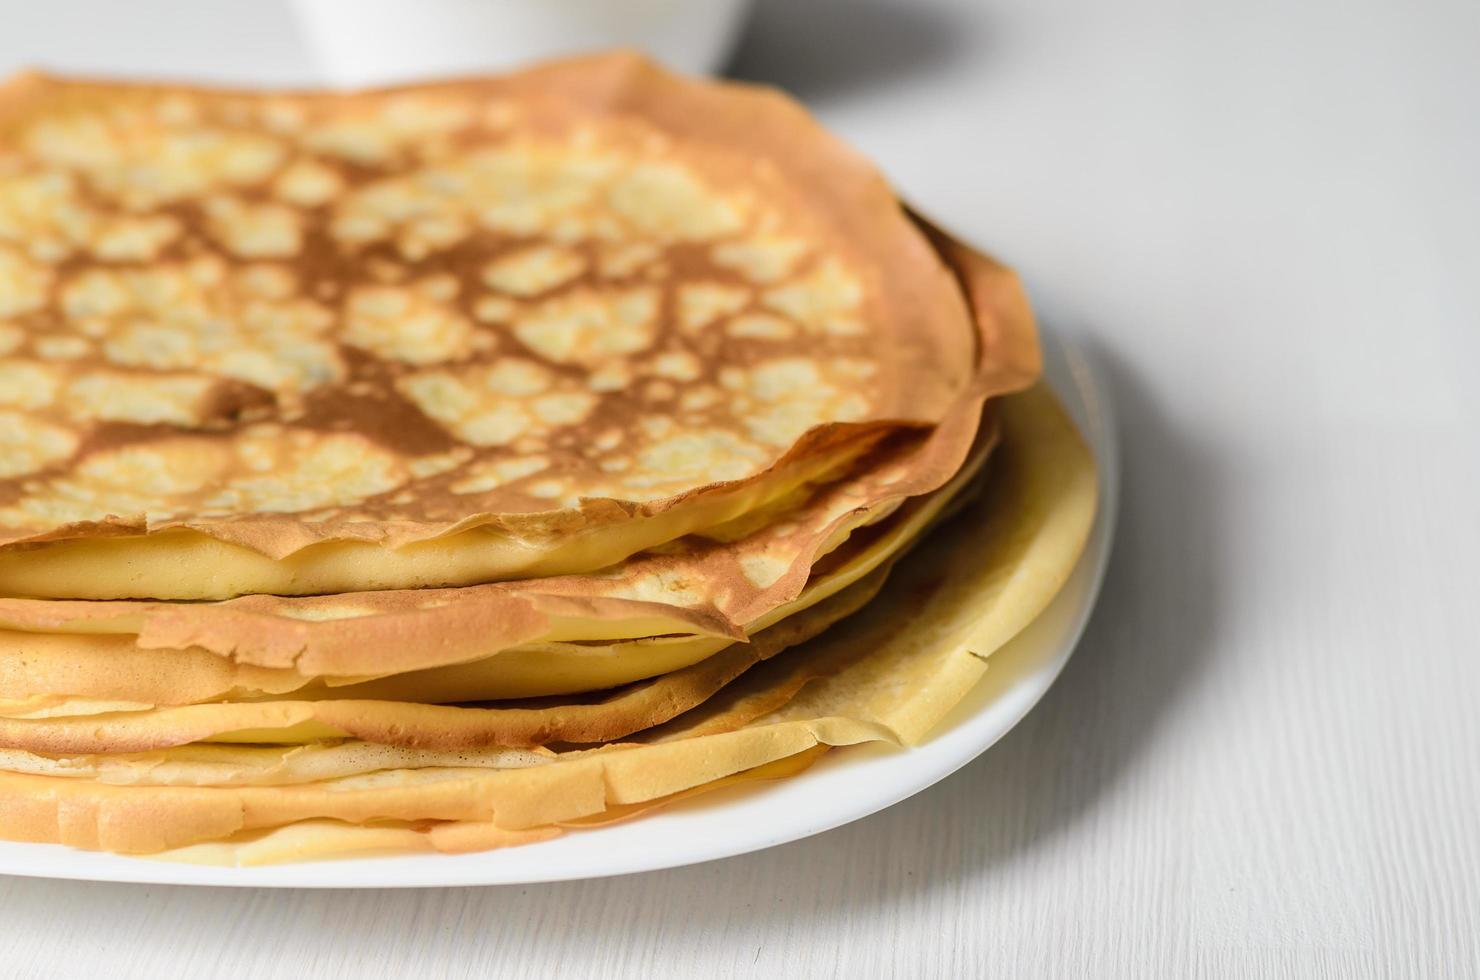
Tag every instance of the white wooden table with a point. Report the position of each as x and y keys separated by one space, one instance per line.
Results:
x=1265 y=758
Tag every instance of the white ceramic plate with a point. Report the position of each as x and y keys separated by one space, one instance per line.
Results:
x=848 y=783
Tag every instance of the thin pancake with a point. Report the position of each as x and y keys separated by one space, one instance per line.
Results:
x=130 y=735
x=896 y=669
x=321 y=839
x=474 y=331
x=743 y=581
x=381 y=632
x=714 y=585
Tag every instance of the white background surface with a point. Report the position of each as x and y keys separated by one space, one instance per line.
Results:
x=1263 y=759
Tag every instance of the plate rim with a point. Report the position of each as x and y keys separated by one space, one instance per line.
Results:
x=964 y=736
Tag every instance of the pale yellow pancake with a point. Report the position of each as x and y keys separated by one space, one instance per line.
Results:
x=132 y=732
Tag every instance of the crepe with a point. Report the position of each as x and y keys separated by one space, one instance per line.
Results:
x=49 y=675
x=123 y=729
x=179 y=653
x=453 y=466
x=320 y=839
x=480 y=331
x=889 y=673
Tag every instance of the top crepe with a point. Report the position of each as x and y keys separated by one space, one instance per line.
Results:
x=287 y=343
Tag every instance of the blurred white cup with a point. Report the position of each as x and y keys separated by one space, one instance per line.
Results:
x=353 y=42
x=367 y=42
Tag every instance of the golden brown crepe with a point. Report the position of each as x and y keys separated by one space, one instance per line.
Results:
x=51 y=674
x=121 y=728
x=448 y=467
x=450 y=334
x=889 y=673
x=691 y=600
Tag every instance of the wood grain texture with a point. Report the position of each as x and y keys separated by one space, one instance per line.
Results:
x=1263 y=759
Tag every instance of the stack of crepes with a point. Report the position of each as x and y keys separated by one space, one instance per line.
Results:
x=452 y=466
